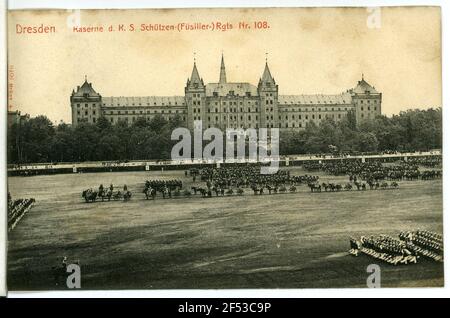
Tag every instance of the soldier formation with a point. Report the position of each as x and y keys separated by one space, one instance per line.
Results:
x=405 y=250
x=17 y=209
x=165 y=187
x=91 y=195
x=374 y=171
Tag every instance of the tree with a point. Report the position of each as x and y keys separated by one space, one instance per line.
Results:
x=368 y=142
x=157 y=123
x=37 y=140
x=103 y=124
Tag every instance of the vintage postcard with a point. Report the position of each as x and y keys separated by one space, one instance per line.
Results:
x=233 y=148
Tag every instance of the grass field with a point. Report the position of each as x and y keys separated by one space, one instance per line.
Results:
x=297 y=240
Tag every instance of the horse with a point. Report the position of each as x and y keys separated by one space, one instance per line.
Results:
x=315 y=187
x=117 y=195
x=105 y=194
x=149 y=192
x=89 y=195
x=202 y=191
x=109 y=194
x=126 y=195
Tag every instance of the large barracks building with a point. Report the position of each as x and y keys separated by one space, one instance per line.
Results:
x=229 y=105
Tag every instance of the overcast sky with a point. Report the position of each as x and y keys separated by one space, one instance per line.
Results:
x=310 y=51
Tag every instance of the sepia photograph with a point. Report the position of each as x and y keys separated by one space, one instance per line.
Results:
x=224 y=148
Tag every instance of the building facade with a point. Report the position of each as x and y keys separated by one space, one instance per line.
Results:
x=15 y=117
x=229 y=105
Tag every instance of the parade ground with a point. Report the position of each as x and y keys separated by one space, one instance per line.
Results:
x=291 y=240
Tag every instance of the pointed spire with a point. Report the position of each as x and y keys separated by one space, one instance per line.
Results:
x=267 y=77
x=223 y=75
x=195 y=77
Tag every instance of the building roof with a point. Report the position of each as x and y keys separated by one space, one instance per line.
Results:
x=144 y=101
x=223 y=89
x=86 y=88
x=363 y=88
x=267 y=77
x=318 y=99
x=195 y=77
x=223 y=74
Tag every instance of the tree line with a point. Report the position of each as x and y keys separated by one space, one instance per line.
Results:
x=412 y=130
x=38 y=140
